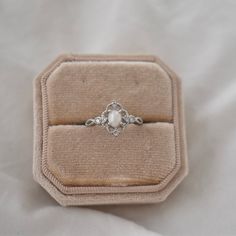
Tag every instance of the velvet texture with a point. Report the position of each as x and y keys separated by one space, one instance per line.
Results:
x=78 y=91
x=85 y=165
x=78 y=155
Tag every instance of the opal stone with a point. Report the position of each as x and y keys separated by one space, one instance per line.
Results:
x=114 y=118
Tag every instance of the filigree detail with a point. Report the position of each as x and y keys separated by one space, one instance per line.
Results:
x=115 y=118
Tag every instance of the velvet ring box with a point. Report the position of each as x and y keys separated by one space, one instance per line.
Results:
x=81 y=165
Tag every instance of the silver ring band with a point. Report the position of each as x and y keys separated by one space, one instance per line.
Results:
x=115 y=118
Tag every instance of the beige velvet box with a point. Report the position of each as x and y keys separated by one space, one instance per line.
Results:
x=81 y=165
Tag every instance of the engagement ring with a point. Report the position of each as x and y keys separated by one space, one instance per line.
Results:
x=115 y=118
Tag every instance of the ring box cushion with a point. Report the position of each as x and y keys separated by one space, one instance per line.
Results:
x=81 y=165
x=78 y=91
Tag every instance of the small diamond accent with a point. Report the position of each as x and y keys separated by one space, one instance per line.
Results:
x=131 y=119
x=98 y=120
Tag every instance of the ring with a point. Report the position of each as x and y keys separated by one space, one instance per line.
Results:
x=115 y=118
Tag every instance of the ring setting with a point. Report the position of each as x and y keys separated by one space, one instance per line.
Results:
x=115 y=118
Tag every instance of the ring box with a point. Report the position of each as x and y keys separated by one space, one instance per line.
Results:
x=81 y=165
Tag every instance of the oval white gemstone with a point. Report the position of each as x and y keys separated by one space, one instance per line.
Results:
x=114 y=118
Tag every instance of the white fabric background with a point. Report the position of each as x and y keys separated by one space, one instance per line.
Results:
x=197 y=39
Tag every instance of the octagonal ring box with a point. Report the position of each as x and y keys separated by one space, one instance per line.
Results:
x=81 y=165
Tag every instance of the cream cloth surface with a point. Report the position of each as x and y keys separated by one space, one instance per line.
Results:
x=195 y=38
